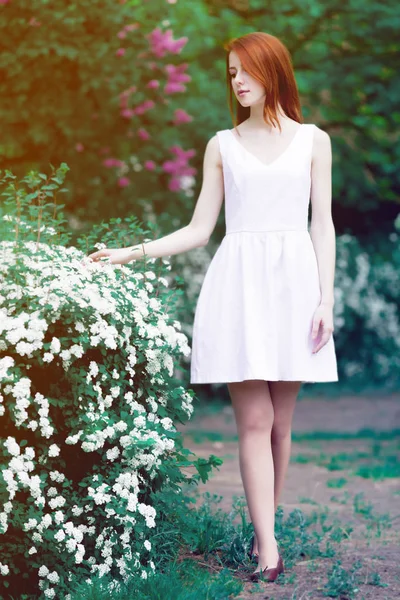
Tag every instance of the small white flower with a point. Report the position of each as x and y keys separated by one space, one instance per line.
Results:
x=59 y=536
x=93 y=369
x=115 y=391
x=139 y=421
x=53 y=577
x=55 y=345
x=113 y=453
x=54 y=450
x=43 y=571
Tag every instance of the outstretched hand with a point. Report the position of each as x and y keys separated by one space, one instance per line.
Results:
x=115 y=256
x=322 y=324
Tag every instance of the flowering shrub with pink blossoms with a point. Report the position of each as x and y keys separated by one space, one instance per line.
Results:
x=107 y=96
x=88 y=403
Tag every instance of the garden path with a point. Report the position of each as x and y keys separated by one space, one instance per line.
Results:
x=370 y=505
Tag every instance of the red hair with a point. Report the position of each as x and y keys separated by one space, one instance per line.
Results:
x=268 y=60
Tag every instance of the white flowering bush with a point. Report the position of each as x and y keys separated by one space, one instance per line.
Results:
x=366 y=312
x=88 y=401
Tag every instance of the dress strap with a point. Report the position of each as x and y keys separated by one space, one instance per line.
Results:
x=308 y=147
x=223 y=144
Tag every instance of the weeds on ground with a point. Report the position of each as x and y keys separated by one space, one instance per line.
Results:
x=343 y=583
x=200 y=553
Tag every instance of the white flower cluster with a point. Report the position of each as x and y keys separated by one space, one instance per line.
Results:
x=79 y=309
x=358 y=288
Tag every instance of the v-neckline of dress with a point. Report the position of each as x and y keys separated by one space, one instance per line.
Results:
x=275 y=159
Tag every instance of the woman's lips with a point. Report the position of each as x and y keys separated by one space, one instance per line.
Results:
x=244 y=92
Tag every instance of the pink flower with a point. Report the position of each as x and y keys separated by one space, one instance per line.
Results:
x=121 y=34
x=153 y=84
x=4 y=1
x=79 y=147
x=120 y=52
x=176 y=77
x=178 y=167
x=144 y=106
x=127 y=113
x=174 y=184
x=113 y=162
x=181 y=116
x=123 y=181
x=150 y=165
x=124 y=96
x=163 y=42
x=173 y=88
x=131 y=26
x=143 y=134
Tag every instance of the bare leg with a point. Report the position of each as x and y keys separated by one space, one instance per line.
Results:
x=283 y=397
x=254 y=414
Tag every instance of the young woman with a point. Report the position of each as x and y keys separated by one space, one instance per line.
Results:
x=264 y=316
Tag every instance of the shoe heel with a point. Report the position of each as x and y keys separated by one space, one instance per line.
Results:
x=250 y=552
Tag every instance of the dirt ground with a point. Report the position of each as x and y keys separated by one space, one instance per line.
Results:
x=374 y=538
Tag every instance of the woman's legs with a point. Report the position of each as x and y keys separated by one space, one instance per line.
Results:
x=254 y=414
x=283 y=397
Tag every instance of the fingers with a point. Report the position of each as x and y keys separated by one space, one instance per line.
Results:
x=99 y=254
x=326 y=334
x=315 y=328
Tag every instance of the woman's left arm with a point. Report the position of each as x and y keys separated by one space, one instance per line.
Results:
x=322 y=232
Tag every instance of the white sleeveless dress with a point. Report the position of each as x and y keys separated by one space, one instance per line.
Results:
x=254 y=312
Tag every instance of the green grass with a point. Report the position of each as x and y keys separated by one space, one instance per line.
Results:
x=379 y=461
x=362 y=434
x=200 y=554
x=336 y=483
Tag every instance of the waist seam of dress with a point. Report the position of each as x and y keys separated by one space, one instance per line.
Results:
x=263 y=230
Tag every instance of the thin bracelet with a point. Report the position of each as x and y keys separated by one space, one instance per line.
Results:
x=136 y=248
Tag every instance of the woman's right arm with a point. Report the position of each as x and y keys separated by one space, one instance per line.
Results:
x=197 y=232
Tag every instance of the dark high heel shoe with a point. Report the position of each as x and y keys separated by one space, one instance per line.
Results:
x=269 y=574
x=250 y=553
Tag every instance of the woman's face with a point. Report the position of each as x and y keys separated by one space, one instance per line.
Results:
x=241 y=80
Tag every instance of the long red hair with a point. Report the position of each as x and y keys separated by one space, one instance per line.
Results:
x=268 y=60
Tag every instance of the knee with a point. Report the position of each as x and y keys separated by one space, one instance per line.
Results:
x=257 y=424
x=280 y=432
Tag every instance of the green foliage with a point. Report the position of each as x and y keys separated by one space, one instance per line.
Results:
x=71 y=105
x=31 y=203
x=67 y=107
x=379 y=461
x=182 y=581
x=345 y=61
x=342 y=583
